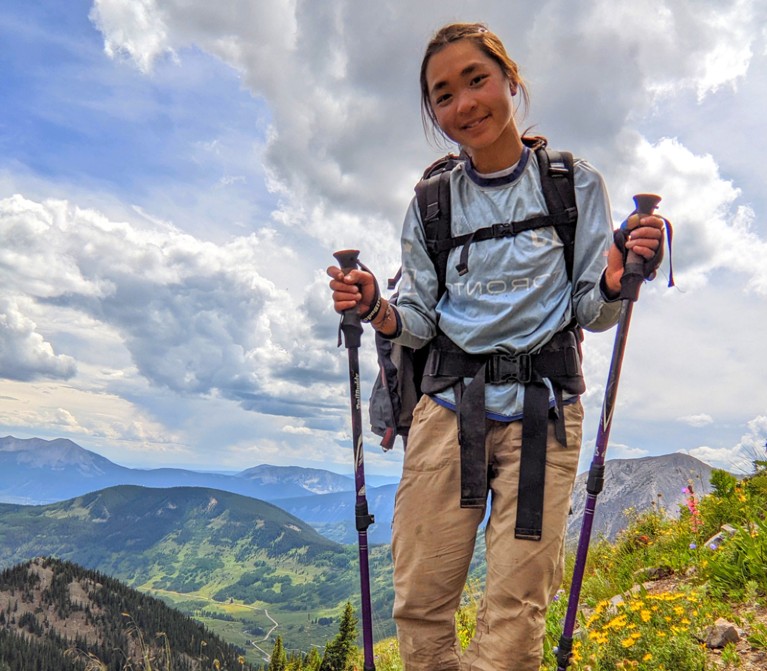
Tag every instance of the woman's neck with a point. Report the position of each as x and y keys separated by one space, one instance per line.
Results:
x=503 y=154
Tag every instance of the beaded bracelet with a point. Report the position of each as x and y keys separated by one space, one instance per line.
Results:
x=386 y=314
x=371 y=314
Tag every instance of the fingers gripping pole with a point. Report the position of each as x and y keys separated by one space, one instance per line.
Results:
x=631 y=281
x=633 y=268
x=351 y=328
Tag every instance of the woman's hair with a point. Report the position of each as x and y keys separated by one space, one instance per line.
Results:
x=488 y=42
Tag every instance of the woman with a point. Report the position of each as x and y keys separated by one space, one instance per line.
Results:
x=517 y=300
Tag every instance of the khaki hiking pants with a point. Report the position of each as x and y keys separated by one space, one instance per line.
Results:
x=433 y=541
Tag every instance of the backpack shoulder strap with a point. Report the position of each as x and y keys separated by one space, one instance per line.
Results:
x=558 y=185
x=433 y=197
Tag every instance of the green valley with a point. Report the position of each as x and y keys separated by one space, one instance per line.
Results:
x=243 y=567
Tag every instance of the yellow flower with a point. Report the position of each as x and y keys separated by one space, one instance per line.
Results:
x=618 y=622
x=647 y=657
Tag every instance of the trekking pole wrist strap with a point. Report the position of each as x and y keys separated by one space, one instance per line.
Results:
x=375 y=304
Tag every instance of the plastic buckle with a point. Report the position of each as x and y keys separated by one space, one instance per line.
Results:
x=524 y=368
x=503 y=230
x=506 y=368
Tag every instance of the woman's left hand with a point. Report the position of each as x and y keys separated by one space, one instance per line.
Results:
x=644 y=236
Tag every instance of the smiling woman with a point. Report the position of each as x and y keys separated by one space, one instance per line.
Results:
x=501 y=393
x=467 y=93
x=472 y=100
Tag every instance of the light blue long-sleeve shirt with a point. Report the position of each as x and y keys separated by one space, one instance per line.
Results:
x=516 y=294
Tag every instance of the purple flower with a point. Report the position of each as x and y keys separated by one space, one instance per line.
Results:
x=693 y=546
x=713 y=546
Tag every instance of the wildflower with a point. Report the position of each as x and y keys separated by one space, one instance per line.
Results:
x=693 y=546
x=692 y=506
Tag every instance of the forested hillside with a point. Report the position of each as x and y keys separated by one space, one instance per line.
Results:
x=57 y=616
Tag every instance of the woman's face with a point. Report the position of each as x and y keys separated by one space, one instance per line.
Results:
x=472 y=100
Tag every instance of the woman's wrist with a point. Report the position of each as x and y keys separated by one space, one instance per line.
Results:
x=385 y=321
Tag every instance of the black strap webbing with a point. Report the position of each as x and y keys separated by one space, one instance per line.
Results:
x=532 y=463
x=471 y=438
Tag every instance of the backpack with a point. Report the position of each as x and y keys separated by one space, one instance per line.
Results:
x=397 y=388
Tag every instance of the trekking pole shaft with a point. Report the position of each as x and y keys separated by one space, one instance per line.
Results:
x=352 y=332
x=594 y=485
x=633 y=269
x=363 y=519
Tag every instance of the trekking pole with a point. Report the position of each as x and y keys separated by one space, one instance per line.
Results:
x=631 y=281
x=352 y=332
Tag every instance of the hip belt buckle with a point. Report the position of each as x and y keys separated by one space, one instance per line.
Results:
x=506 y=368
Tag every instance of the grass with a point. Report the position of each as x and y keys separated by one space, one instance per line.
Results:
x=629 y=619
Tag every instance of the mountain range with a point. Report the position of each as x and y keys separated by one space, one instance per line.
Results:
x=225 y=557
x=37 y=471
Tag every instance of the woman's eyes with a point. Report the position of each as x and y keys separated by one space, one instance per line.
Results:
x=474 y=82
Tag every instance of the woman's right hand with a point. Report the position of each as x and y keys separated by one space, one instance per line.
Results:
x=356 y=288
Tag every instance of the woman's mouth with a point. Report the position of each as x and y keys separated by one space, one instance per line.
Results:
x=471 y=125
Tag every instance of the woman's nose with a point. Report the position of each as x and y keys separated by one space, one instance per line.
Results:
x=466 y=101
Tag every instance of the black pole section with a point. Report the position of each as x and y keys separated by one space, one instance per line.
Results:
x=352 y=332
x=631 y=282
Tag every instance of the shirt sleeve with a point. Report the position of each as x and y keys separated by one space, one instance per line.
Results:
x=418 y=288
x=593 y=238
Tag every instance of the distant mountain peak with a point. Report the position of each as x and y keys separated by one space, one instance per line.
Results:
x=56 y=454
x=639 y=484
x=313 y=480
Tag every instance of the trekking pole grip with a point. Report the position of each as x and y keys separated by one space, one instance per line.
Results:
x=633 y=268
x=348 y=259
x=350 y=320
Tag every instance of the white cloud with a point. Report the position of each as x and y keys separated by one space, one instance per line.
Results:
x=196 y=317
x=135 y=30
x=618 y=451
x=739 y=458
x=698 y=420
x=24 y=353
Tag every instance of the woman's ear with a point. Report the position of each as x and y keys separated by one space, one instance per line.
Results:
x=513 y=87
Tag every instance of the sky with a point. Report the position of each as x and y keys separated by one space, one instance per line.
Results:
x=175 y=175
